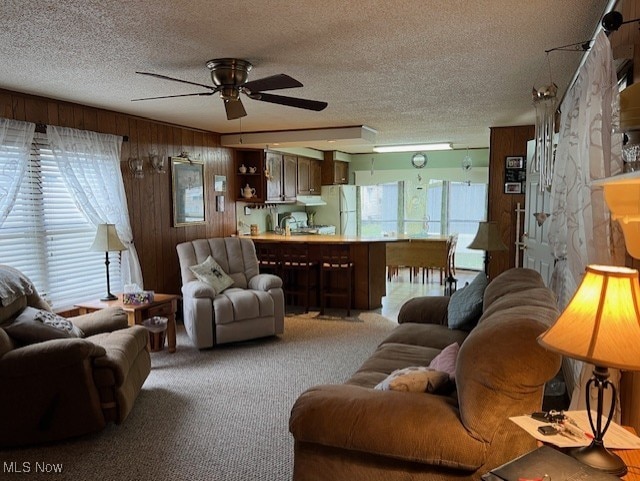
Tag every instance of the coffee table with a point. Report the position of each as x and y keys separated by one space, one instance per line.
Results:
x=164 y=305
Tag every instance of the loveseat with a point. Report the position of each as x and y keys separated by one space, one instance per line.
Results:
x=225 y=297
x=461 y=430
x=54 y=384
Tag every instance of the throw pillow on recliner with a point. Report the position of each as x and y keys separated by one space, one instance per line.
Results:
x=465 y=305
x=414 y=379
x=35 y=325
x=211 y=273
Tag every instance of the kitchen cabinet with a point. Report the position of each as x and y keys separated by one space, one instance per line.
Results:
x=249 y=168
x=309 y=176
x=281 y=177
x=334 y=171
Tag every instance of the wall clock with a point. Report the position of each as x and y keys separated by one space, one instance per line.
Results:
x=418 y=160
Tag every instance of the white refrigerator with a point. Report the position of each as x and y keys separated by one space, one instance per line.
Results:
x=340 y=209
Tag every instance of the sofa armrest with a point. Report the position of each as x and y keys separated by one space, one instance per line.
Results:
x=426 y=310
x=104 y=320
x=121 y=350
x=415 y=427
x=198 y=290
x=264 y=282
x=48 y=356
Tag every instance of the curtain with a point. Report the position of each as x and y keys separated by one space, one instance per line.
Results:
x=90 y=165
x=15 y=144
x=582 y=231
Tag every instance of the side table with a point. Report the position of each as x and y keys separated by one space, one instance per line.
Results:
x=164 y=305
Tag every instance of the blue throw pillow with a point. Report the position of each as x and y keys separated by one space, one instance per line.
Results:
x=465 y=305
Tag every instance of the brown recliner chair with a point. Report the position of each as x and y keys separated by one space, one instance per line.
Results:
x=62 y=388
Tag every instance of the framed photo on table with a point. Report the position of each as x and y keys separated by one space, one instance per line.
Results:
x=187 y=186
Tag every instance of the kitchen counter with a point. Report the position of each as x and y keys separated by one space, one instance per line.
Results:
x=368 y=255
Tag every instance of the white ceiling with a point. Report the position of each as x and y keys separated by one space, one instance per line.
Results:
x=415 y=71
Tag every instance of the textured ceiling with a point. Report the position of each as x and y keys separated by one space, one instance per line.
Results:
x=414 y=71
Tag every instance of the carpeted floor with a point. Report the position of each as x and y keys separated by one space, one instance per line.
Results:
x=220 y=414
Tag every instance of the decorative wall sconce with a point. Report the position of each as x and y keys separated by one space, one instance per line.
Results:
x=158 y=163
x=135 y=165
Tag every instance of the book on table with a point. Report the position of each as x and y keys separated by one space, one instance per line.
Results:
x=546 y=460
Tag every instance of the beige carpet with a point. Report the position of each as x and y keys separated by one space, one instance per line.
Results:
x=220 y=414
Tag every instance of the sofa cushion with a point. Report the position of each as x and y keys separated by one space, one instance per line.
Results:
x=35 y=325
x=465 y=305
x=428 y=335
x=211 y=273
x=414 y=379
x=446 y=360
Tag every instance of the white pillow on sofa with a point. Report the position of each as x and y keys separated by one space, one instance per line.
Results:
x=413 y=379
x=211 y=273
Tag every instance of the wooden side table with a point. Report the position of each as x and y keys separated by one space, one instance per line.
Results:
x=164 y=305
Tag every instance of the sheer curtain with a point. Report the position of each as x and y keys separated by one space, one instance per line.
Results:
x=582 y=231
x=15 y=143
x=90 y=164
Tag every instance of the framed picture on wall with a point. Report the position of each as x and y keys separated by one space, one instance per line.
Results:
x=513 y=188
x=515 y=163
x=220 y=183
x=187 y=186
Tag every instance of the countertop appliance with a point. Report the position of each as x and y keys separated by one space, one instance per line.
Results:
x=340 y=209
x=299 y=224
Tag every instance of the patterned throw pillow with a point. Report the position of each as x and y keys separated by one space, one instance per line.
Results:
x=35 y=325
x=211 y=273
x=413 y=379
x=465 y=305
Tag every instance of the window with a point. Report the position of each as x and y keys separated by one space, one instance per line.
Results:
x=379 y=209
x=48 y=239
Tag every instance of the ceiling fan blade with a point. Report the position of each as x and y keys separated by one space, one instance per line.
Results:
x=274 y=82
x=157 y=75
x=234 y=109
x=171 y=96
x=291 y=101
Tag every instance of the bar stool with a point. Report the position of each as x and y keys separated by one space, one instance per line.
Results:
x=336 y=259
x=299 y=273
x=268 y=258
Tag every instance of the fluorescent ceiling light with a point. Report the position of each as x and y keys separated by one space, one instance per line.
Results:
x=412 y=148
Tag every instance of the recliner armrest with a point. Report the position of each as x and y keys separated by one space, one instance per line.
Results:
x=104 y=320
x=264 y=282
x=425 y=310
x=47 y=356
x=198 y=289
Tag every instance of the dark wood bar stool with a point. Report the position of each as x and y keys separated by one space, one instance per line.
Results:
x=269 y=260
x=336 y=273
x=299 y=274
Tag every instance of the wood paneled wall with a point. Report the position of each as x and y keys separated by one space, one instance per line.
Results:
x=149 y=198
x=505 y=142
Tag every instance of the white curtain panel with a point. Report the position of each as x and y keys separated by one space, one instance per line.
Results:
x=90 y=165
x=15 y=143
x=582 y=231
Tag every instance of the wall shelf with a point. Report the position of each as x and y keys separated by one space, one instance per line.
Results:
x=622 y=194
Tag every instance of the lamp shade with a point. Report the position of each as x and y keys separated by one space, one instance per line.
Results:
x=601 y=324
x=107 y=239
x=488 y=238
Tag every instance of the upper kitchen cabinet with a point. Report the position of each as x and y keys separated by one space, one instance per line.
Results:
x=249 y=168
x=281 y=177
x=334 y=171
x=309 y=176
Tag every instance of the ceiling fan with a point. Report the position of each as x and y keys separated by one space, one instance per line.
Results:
x=229 y=77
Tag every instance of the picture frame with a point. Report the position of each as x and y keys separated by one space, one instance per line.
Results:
x=513 y=188
x=220 y=183
x=188 y=193
x=514 y=163
x=220 y=203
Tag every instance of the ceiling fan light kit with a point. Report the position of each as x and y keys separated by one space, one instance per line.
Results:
x=230 y=75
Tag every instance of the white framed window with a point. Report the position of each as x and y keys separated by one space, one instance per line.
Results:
x=46 y=237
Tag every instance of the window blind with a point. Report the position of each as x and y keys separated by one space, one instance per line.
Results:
x=48 y=238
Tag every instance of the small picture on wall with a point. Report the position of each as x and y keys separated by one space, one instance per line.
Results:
x=220 y=203
x=515 y=162
x=220 y=183
x=513 y=188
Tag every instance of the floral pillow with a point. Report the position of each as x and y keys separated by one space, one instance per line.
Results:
x=36 y=325
x=211 y=273
x=414 y=379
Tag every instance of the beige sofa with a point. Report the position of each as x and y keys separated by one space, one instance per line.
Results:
x=61 y=388
x=352 y=431
x=252 y=307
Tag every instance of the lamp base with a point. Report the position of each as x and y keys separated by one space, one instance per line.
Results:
x=599 y=457
x=109 y=297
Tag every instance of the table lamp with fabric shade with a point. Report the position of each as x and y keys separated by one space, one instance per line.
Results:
x=487 y=239
x=106 y=241
x=600 y=326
